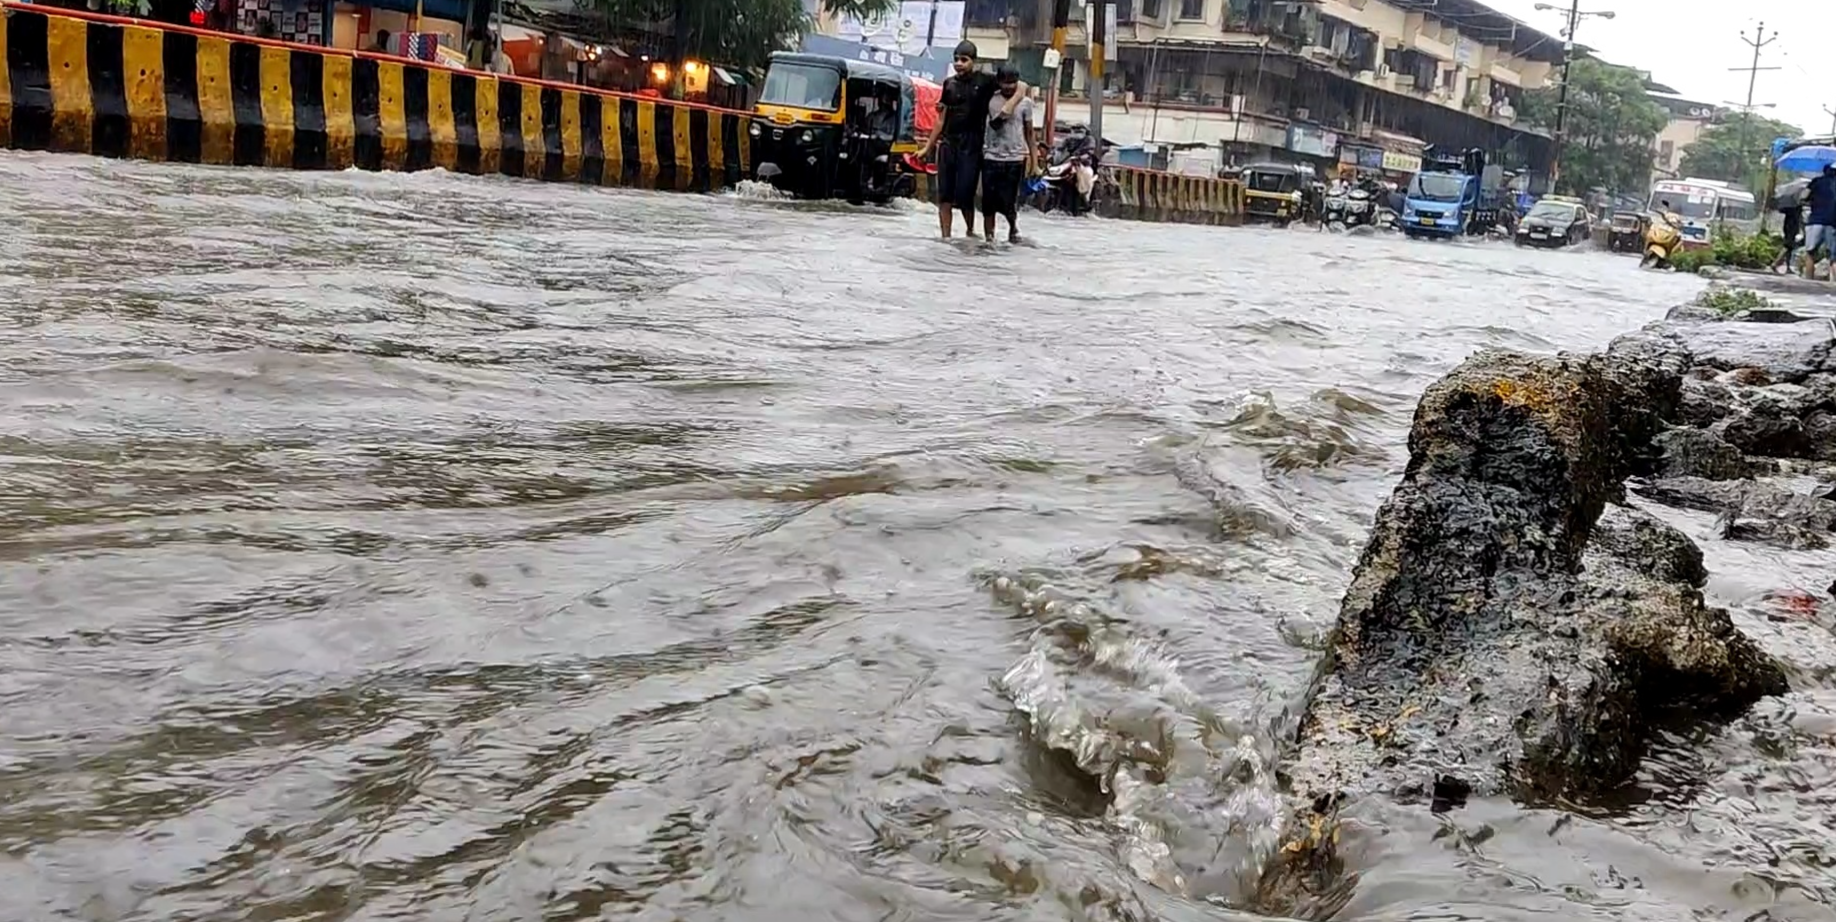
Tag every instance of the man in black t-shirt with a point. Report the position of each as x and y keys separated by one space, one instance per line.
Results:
x=961 y=126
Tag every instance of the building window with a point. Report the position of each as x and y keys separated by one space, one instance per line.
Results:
x=1150 y=9
x=1192 y=9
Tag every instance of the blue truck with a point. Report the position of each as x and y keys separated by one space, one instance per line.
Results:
x=1454 y=195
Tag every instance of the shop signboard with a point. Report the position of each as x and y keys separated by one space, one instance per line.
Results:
x=1361 y=156
x=1312 y=141
x=911 y=28
x=928 y=65
x=1401 y=163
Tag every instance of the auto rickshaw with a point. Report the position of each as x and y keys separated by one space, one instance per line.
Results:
x=831 y=127
x=1273 y=192
x=1627 y=232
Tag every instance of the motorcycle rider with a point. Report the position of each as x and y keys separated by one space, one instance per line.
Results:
x=1074 y=165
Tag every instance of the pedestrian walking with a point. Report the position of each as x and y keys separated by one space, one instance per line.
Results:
x=1007 y=154
x=1789 y=202
x=1821 y=230
x=962 y=126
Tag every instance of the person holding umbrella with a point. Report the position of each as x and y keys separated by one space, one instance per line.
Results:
x=1789 y=201
x=1822 y=229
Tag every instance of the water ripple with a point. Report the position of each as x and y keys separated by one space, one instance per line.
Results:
x=429 y=547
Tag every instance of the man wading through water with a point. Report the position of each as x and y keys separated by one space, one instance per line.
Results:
x=957 y=140
x=1007 y=154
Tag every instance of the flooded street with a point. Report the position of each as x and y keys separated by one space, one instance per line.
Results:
x=438 y=548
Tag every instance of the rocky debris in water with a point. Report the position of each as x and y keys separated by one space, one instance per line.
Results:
x=1485 y=644
x=1787 y=352
x=1748 y=510
x=1691 y=311
x=1689 y=452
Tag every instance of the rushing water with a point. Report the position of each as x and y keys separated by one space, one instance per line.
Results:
x=428 y=547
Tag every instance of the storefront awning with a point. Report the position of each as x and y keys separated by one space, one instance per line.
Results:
x=1390 y=140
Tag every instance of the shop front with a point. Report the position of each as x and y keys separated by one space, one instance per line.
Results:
x=1358 y=159
x=1314 y=142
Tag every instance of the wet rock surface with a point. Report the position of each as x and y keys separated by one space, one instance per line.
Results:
x=1758 y=399
x=1749 y=510
x=1689 y=452
x=1512 y=627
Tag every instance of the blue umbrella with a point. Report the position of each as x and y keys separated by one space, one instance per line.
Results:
x=1808 y=159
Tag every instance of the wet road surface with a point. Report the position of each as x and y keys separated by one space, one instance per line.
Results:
x=425 y=547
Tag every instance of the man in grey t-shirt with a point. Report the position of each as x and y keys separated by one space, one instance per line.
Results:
x=1007 y=154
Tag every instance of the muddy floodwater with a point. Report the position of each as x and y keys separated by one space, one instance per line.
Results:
x=435 y=548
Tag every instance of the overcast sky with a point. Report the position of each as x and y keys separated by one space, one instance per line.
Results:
x=1690 y=44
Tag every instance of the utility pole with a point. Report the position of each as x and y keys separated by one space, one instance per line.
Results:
x=1061 y=18
x=1832 y=114
x=1099 y=34
x=1561 y=106
x=1575 y=15
x=1758 y=42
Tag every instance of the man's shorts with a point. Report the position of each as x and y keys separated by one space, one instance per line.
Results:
x=1001 y=180
x=1820 y=234
x=959 y=168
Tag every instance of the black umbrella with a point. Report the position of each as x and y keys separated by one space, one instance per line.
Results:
x=1790 y=195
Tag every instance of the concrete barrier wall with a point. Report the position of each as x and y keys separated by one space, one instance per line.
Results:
x=100 y=85
x=1151 y=195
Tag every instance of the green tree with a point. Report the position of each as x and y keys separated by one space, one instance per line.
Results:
x=742 y=33
x=1734 y=149
x=1609 y=130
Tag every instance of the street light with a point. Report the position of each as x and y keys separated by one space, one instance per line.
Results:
x=1575 y=15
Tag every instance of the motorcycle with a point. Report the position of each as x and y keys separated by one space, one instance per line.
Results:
x=1072 y=166
x=1661 y=240
x=1332 y=211
x=1353 y=208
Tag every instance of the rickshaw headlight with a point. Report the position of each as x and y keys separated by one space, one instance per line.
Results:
x=754 y=130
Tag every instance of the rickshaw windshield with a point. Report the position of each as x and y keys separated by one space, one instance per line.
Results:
x=803 y=86
x=1270 y=180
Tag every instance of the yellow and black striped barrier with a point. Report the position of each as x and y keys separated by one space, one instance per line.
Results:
x=85 y=83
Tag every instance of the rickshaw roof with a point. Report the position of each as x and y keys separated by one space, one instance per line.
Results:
x=1272 y=167
x=866 y=70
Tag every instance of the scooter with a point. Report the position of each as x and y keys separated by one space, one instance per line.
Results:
x=1661 y=240
x=1070 y=166
x=1332 y=210
x=1360 y=211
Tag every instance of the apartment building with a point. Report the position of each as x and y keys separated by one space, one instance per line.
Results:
x=1193 y=84
x=1687 y=121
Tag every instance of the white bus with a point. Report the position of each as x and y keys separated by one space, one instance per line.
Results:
x=1705 y=205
